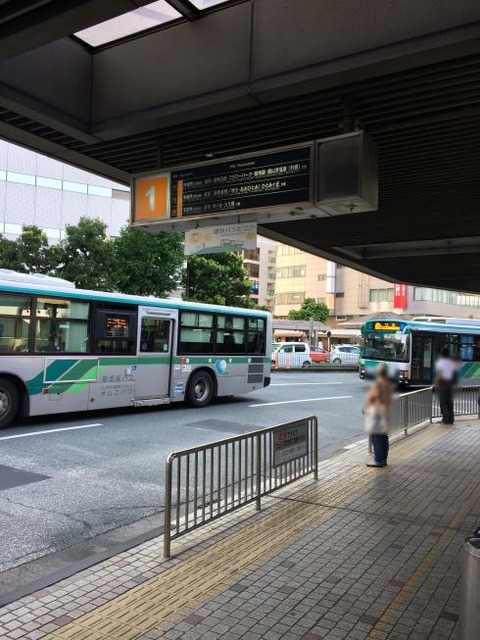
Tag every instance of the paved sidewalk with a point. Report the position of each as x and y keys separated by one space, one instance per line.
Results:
x=360 y=553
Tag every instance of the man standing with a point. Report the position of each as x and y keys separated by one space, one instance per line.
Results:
x=445 y=368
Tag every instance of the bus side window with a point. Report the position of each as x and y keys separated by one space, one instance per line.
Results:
x=115 y=331
x=155 y=335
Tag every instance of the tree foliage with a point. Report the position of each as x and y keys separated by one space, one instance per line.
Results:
x=135 y=262
x=30 y=253
x=218 y=279
x=147 y=264
x=86 y=256
x=310 y=309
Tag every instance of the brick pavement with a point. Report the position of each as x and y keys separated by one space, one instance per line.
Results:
x=361 y=553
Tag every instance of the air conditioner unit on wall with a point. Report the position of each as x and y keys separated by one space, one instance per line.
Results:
x=347 y=174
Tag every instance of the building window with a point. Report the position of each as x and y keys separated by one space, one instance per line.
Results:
x=322 y=277
x=21 y=178
x=456 y=298
x=50 y=183
x=252 y=254
x=297 y=271
x=252 y=269
x=381 y=295
x=291 y=297
x=339 y=294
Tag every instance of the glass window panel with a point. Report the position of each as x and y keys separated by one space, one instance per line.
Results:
x=54 y=234
x=61 y=326
x=58 y=308
x=230 y=342
x=77 y=187
x=13 y=228
x=146 y=17
x=21 y=178
x=155 y=335
x=93 y=190
x=13 y=334
x=192 y=319
x=195 y=341
x=50 y=183
x=14 y=305
x=63 y=336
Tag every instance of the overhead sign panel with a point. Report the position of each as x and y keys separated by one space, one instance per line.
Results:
x=316 y=179
x=268 y=180
x=261 y=184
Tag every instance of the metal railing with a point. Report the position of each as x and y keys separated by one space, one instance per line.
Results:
x=411 y=409
x=206 y=482
x=415 y=407
x=465 y=402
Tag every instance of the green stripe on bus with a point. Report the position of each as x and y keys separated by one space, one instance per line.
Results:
x=58 y=368
x=82 y=370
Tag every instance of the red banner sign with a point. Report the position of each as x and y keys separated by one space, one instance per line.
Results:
x=399 y=296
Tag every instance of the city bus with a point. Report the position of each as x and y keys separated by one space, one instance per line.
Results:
x=65 y=349
x=411 y=347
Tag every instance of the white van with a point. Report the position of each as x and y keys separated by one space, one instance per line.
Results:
x=291 y=354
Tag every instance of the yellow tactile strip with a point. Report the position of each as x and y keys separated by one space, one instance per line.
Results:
x=188 y=583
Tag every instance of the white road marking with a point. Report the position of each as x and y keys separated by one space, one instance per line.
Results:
x=41 y=433
x=271 y=404
x=301 y=384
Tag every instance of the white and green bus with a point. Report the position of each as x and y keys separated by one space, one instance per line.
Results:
x=410 y=348
x=66 y=349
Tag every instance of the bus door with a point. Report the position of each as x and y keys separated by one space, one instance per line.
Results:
x=155 y=336
x=422 y=359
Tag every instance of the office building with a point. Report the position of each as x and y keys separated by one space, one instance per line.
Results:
x=349 y=293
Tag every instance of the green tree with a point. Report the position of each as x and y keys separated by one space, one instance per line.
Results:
x=29 y=253
x=8 y=254
x=33 y=251
x=86 y=256
x=219 y=279
x=147 y=264
x=310 y=309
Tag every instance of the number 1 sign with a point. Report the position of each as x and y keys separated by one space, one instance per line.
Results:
x=152 y=198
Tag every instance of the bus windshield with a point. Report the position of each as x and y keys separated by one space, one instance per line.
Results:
x=386 y=345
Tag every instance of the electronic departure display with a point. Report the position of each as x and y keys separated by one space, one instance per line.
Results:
x=269 y=180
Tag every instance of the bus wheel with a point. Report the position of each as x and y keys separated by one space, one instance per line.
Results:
x=200 y=389
x=9 y=402
x=306 y=363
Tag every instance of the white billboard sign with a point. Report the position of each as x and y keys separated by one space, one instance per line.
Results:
x=227 y=237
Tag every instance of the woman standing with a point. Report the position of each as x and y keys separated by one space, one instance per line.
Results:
x=377 y=408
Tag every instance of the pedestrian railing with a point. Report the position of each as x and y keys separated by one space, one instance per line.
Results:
x=422 y=406
x=465 y=402
x=411 y=409
x=206 y=482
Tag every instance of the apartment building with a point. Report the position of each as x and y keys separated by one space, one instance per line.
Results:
x=260 y=264
x=349 y=293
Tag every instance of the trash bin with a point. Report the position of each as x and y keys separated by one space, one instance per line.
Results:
x=470 y=593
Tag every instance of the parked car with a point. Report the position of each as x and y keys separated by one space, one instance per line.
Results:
x=318 y=355
x=293 y=354
x=345 y=354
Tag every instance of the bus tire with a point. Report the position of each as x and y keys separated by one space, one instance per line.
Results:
x=201 y=389
x=9 y=402
x=306 y=363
